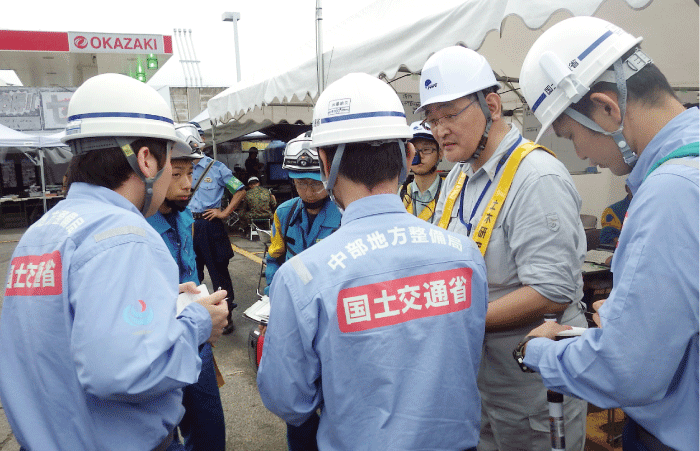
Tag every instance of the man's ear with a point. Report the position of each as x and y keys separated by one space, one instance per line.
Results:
x=410 y=153
x=493 y=100
x=606 y=112
x=325 y=164
x=148 y=163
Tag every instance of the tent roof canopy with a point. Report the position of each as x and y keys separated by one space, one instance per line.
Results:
x=409 y=34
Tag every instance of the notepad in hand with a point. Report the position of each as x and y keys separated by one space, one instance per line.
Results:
x=597 y=256
x=573 y=332
x=185 y=299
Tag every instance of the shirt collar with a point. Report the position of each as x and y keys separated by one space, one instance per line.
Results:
x=373 y=205
x=492 y=163
x=681 y=130
x=432 y=189
x=80 y=190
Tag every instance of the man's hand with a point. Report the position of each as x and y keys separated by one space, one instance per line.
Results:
x=213 y=213
x=549 y=329
x=218 y=310
x=596 y=306
x=188 y=287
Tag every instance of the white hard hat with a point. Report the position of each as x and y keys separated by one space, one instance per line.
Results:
x=358 y=108
x=117 y=106
x=190 y=134
x=195 y=153
x=419 y=131
x=451 y=73
x=567 y=60
x=300 y=159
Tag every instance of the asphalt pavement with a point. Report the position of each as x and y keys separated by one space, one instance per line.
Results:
x=249 y=425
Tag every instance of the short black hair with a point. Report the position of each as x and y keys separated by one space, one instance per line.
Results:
x=369 y=164
x=109 y=167
x=649 y=86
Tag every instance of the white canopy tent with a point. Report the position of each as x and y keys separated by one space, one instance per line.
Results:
x=393 y=37
x=37 y=148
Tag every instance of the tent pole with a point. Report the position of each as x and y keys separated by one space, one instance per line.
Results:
x=43 y=178
x=319 y=49
x=213 y=137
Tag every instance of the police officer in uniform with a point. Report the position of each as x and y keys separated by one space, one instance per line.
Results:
x=211 y=243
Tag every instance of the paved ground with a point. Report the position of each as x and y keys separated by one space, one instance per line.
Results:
x=249 y=426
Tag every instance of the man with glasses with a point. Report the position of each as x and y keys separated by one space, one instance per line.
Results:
x=420 y=196
x=520 y=205
x=298 y=224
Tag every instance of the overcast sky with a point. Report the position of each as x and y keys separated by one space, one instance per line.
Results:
x=269 y=30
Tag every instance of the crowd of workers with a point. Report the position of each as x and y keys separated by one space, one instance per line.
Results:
x=407 y=322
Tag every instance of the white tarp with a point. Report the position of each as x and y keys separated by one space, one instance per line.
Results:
x=393 y=35
x=45 y=151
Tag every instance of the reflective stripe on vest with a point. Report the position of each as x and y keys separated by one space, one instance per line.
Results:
x=488 y=219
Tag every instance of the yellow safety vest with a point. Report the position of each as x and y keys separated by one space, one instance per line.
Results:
x=429 y=209
x=483 y=230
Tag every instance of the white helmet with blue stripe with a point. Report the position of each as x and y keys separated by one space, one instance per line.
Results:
x=567 y=60
x=110 y=106
x=113 y=111
x=358 y=108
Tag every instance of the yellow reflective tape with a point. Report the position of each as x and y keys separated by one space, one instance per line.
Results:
x=450 y=202
x=277 y=247
x=407 y=203
x=482 y=232
x=427 y=210
x=128 y=151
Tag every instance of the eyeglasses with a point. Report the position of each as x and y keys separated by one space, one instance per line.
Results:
x=426 y=151
x=429 y=125
x=312 y=185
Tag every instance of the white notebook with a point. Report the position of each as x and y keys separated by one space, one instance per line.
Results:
x=597 y=256
x=259 y=311
x=185 y=299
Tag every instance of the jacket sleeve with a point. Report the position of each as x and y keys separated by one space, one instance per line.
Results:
x=650 y=318
x=126 y=341
x=290 y=370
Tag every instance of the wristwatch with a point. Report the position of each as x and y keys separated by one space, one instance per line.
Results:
x=519 y=356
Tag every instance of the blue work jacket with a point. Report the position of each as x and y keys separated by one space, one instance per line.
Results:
x=381 y=326
x=644 y=358
x=92 y=356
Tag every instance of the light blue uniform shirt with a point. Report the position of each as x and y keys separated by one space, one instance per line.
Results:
x=645 y=357
x=91 y=354
x=210 y=191
x=179 y=242
x=373 y=326
x=421 y=200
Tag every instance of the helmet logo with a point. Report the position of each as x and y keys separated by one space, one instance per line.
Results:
x=338 y=106
x=429 y=84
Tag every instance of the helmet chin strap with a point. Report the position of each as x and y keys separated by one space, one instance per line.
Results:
x=177 y=205
x=329 y=181
x=622 y=71
x=485 y=136
x=125 y=145
x=314 y=205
